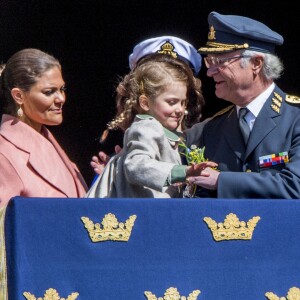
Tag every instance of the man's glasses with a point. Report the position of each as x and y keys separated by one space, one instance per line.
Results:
x=218 y=62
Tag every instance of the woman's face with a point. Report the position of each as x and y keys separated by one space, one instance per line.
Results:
x=42 y=104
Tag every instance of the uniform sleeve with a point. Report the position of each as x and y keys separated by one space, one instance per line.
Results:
x=10 y=182
x=178 y=174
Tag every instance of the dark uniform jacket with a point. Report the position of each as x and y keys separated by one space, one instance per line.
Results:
x=244 y=174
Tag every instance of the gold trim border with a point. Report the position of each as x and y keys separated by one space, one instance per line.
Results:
x=3 y=271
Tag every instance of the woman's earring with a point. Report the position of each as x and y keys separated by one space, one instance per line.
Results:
x=186 y=112
x=20 y=112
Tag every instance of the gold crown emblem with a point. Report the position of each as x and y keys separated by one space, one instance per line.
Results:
x=50 y=294
x=111 y=229
x=212 y=33
x=172 y=294
x=167 y=48
x=293 y=294
x=232 y=228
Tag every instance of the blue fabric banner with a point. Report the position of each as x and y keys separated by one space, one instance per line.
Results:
x=48 y=247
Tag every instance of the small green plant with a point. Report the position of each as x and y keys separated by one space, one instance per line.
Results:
x=193 y=155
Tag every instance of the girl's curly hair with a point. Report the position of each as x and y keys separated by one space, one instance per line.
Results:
x=150 y=77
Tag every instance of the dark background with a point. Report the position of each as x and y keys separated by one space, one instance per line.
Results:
x=92 y=40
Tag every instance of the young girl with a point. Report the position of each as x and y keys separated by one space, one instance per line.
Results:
x=161 y=48
x=151 y=102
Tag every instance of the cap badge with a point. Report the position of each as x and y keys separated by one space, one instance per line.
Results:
x=167 y=48
x=212 y=33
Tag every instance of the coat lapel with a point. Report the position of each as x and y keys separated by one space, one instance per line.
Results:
x=77 y=177
x=232 y=134
x=45 y=156
x=265 y=122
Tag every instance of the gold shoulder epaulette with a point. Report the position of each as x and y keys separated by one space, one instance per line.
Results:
x=223 y=111
x=292 y=99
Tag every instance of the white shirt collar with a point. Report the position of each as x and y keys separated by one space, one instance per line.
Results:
x=256 y=104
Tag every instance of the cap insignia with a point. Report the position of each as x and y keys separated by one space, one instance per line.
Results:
x=292 y=99
x=111 y=229
x=50 y=294
x=172 y=294
x=167 y=48
x=220 y=47
x=212 y=33
x=232 y=228
x=293 y=293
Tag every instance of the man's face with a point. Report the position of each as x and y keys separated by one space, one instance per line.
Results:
x=233 y=80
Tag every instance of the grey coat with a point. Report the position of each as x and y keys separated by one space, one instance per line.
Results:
x=142 y=168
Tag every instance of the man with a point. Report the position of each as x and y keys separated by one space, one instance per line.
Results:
x=241 y=59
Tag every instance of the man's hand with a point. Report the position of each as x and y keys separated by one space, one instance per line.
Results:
x=208 y=179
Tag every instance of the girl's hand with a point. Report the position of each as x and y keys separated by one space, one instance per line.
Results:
x=199 y=169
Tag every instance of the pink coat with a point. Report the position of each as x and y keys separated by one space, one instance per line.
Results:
x=34 y=165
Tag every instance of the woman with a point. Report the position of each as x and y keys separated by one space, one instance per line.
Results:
x=32 y=163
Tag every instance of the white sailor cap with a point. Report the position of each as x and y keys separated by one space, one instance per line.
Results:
x=168 y=45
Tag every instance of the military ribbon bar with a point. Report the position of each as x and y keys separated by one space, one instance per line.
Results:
x=273 y=159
